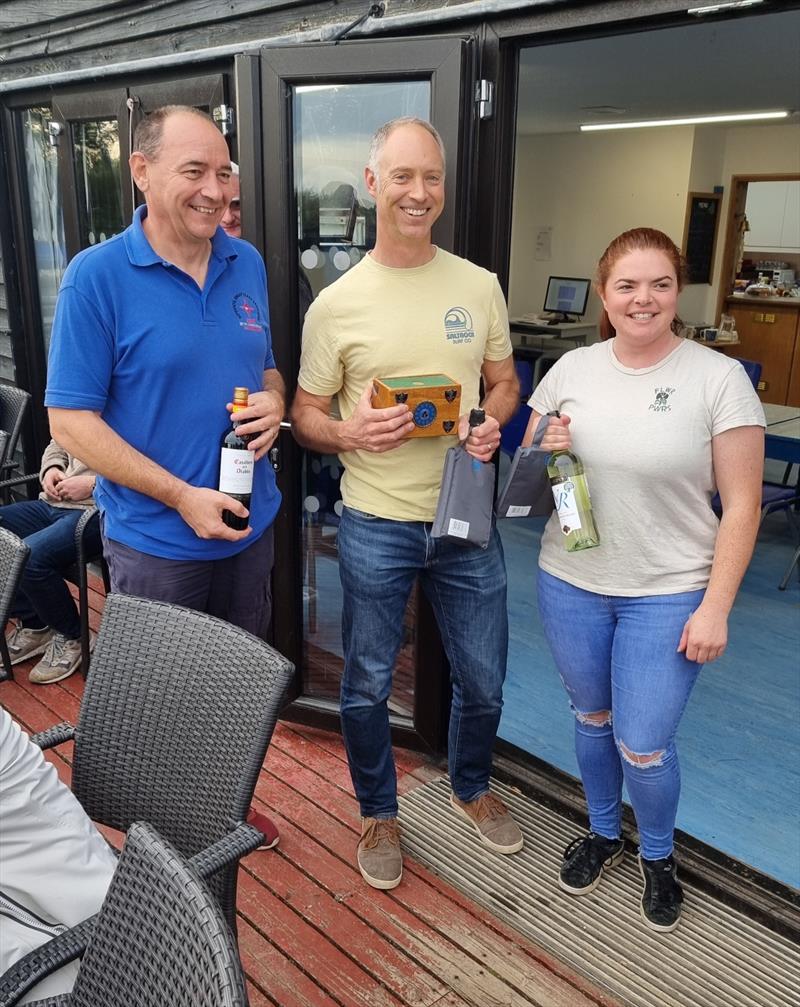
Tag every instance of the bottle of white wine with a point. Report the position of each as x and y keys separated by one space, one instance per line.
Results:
x=573 y=503
x=236 y=465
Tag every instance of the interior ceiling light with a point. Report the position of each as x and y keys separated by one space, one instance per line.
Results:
x=604 y=110
x=712 y=8
x=685 y=121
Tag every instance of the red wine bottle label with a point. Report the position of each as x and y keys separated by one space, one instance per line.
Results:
x=236 y=470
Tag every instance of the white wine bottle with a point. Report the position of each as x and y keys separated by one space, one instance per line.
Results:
x=573 y=503
x=236 y=465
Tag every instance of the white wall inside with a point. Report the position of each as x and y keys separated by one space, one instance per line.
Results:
x=590 y=187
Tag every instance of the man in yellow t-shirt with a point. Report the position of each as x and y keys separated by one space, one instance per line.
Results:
x=410 y=308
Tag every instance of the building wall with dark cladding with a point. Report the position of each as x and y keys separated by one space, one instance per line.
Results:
x=6 y=358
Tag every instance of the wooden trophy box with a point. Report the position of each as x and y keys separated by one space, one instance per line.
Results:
x=434 y=401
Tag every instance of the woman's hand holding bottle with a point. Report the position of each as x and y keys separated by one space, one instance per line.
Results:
x=557 y=436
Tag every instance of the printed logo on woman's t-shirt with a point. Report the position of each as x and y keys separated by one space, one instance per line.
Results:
x=458 y=326
x=661 y=402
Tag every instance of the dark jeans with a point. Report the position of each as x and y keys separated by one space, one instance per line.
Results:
x=379 y=561
x=236 y=589
x=43 y=598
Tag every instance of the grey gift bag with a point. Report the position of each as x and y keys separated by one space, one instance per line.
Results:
x=465 y=512
x=527 y=491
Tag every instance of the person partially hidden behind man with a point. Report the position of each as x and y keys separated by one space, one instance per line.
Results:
x=390 y=315
x=153 y=330
x=45 y=617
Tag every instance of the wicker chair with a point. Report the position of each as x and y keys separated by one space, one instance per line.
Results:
x=13 y=557
x=176 y=717
x=159 y=940
x=13 y=405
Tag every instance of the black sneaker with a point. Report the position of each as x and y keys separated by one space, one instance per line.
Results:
x=662 y=896
x=585 y=859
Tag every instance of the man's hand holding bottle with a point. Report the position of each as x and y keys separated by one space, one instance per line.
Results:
x=260 y=420
x=480 y=441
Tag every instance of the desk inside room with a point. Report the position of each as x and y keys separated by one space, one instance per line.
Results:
x=783 y=433
x=547 y=335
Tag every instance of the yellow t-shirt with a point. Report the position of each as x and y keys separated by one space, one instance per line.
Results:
x=377 y=321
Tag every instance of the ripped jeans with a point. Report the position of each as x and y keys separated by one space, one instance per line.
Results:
x=628 y=687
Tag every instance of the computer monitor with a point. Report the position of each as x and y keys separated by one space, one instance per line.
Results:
x=566 y=296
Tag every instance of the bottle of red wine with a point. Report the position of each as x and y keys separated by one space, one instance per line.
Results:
x=236 y=465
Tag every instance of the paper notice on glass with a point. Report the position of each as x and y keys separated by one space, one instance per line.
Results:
x=541 y=247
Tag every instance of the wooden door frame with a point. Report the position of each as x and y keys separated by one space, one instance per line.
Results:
x=736 y=205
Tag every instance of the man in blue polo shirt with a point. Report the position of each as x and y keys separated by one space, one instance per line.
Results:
x=153 y=330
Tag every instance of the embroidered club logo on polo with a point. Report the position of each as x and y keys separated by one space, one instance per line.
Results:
x=458 y=325
x=246 y=310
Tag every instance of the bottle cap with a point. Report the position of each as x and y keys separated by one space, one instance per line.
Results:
x=476 y=417
x=241 y=395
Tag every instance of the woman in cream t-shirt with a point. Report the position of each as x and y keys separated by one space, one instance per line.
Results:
x=660 y=424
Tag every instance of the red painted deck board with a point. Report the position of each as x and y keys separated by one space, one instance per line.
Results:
x=311 y=932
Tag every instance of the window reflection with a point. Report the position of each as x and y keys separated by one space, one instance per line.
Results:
x=95 y=151
x=46 y=210
x=335 y=229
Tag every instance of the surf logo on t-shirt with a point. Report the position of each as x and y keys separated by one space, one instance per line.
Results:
x=660 y=404
x=458 y=325
x=246 y=310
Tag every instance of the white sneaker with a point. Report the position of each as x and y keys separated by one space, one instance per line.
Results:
x=61 y=658
x=24 y=643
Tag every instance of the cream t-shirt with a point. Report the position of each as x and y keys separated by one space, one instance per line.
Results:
x=377 y=321
x=644 y=437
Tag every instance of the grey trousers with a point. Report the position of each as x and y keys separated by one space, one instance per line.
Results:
x=236 y=589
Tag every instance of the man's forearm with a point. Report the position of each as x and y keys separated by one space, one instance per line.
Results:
x=86 y=436
x=502 y=401
x=273 y=382
x=313 y=429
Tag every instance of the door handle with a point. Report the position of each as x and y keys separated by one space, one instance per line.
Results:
x=274 y=453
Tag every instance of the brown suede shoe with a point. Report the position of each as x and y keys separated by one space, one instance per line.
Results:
x=492 y=821
x=379 y=858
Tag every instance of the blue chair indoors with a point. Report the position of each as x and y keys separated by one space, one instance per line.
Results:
x=753 y=369
x=784 y=496
x=512 y=433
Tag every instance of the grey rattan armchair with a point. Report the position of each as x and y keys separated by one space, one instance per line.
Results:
x=13 y=557
x=176 y=717
x=159 y=940
x=13 y=405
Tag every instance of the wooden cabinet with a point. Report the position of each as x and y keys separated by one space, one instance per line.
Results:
x=773 y=213
x=768 y=333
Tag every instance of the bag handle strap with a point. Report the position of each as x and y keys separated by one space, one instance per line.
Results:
x=541 y=428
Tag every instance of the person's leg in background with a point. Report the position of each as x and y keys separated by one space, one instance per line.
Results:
x=467 y=589
x=651 y=685
x=49 y=619
x=378 y=564
x=580 y=627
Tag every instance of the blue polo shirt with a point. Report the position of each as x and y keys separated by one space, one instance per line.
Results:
x=136 y=340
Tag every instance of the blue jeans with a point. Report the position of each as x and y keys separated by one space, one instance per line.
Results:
x=43 y=598
x=618 y=656
x=379 y=562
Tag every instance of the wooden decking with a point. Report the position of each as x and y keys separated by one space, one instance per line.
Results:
x=312 y=933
